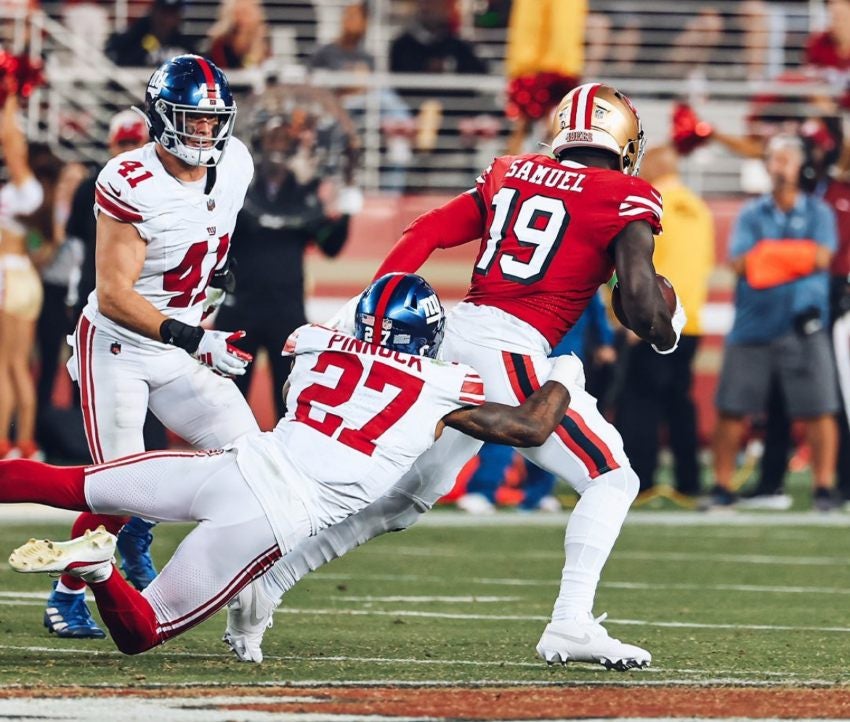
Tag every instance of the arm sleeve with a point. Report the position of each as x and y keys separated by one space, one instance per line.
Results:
x=471 y=389
x=459 y=221
x=639 y=201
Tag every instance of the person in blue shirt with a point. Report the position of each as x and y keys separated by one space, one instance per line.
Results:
x=779 y=334
x=591 y=332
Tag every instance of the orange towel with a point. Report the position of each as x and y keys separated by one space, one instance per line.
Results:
x=773 y=262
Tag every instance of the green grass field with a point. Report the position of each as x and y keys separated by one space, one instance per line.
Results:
x=455 y=601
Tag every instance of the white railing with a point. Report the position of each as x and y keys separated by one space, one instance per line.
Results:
x=465 y=112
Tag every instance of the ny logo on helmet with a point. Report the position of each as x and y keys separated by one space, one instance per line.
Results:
x=156 y=83
x=433 y=309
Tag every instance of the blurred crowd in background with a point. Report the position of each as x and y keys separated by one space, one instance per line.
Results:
x=319 y=141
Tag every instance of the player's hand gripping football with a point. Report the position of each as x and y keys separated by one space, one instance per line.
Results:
x=217 y=351
x=678 y=320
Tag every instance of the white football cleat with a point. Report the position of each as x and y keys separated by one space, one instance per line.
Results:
x=476 y=504
x=584 y=639
x=249 y=614
x=89 y=556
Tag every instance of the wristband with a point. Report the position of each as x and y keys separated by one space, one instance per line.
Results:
x=568 y=371
x=182 y=335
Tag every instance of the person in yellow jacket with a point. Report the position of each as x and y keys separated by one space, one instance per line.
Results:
x=544 y=60
x=657 y=389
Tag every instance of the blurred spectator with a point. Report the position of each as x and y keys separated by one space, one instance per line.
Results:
x=592 y=340
x=54 y=321
x=239 y=38
x=613 y=44
x=346 y=53
x=830 y=49
x=20 y=286
x=780 y=248
x=823 y=143
x=431 y=44
x=544 y=60
x=656 y=389
x=303 y=148
x=152 y=39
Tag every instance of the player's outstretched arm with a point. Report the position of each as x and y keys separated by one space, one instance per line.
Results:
x=643 y=303
x=529 y=424
x=459 y=221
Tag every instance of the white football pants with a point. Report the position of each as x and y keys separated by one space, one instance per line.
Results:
x=585 y=450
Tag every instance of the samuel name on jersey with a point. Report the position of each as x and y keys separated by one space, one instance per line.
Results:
x=186 y=226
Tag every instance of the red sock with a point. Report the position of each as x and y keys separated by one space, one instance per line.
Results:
x=127 y=614
x=84 y=522
x=33 y=481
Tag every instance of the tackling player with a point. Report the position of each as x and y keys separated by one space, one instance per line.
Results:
x=165 y=214
x=361 y=409
x=552 y=229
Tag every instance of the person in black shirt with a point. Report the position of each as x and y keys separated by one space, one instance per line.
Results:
x=300 y=153
x=152 y=39
x=431 y=43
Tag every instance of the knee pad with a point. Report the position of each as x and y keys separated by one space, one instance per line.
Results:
x=623 y=480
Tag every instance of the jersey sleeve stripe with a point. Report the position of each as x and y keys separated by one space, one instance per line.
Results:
x=638 y=212
x=645 y=201
x=479 y=201
x=115 y=199
x=115 y=210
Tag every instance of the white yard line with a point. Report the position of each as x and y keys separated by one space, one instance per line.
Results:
x=655 y=670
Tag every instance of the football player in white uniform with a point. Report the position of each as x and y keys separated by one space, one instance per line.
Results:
x=360 y=410
x=165 y=214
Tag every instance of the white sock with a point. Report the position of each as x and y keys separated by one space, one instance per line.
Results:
x=67 y=590
x=591 y=532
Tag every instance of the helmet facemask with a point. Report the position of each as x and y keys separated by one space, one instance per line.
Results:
x=194 y=148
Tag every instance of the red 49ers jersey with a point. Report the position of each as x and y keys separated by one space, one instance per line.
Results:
x=547 y=227
x=358 y=416
x=187 y=231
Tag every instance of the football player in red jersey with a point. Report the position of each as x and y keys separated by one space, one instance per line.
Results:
x=552 y=229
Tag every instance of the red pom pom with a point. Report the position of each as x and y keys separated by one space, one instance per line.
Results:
x=689 y=132
x=533 y=96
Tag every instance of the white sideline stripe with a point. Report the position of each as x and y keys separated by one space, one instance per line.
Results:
x=36 y=513
x=653 y=556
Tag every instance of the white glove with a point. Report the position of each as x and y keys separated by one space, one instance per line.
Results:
x=568 y=371
x=216 y=351
x=215 y=297
x=679 y=320
x=343 y=320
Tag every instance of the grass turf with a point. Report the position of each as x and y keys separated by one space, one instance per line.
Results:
x=468 y=604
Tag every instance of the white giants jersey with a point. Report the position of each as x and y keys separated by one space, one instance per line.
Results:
x=187 y=230
x=358 y=416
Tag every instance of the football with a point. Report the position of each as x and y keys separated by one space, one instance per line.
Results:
x=664 y=286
